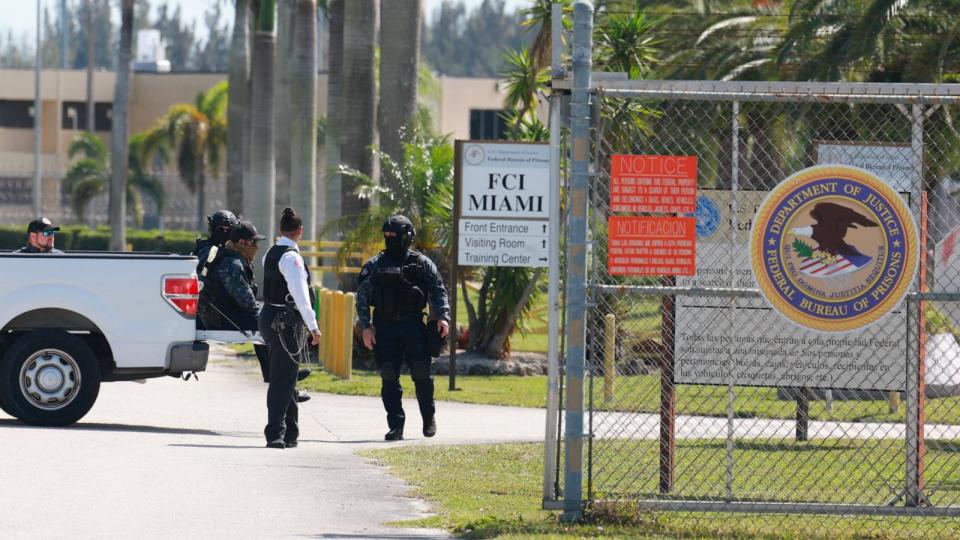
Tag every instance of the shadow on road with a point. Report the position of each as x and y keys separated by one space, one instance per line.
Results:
x=114 y=427
x=394 y=535
x=230 y=446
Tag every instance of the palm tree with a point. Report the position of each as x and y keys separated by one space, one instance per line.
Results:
x=715 y=39
x=118 y=141
x=259 y=190
x=333 y=182
x=303 y=100
x=524 y=79
x=540 y=16
x=399 y=60
x=238 y=106
x=876 y=40
x=88 y=176
x=284 y=112
x=196 y=136
x=356 y=128
x=423 y=191
x=626 y=44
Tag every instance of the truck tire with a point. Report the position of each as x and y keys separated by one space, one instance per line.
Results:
x=49 y=378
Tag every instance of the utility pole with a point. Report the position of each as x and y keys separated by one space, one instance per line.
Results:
x=64 y=34
x=37 y=177
x=91 y=61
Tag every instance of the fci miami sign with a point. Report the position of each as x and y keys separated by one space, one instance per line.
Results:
x=834 y=248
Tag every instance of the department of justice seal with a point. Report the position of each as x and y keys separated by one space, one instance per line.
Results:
x=834 y=248
x=708 y=217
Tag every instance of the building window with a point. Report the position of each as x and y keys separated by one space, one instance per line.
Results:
x=16 y=114
x=487 y=125
x=16 y=191
x=73 y=115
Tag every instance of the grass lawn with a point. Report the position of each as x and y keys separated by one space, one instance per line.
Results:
x=489 y=491
x=639 y=394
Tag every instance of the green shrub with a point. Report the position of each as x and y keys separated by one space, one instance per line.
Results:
x=82 y=238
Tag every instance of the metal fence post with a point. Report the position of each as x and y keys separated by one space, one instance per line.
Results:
x=577 y=258
x=553 y=287
x=914 y=394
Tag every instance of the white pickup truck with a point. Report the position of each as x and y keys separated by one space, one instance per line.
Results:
x=69 y=322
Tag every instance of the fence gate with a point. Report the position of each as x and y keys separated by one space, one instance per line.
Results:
x=698 y=396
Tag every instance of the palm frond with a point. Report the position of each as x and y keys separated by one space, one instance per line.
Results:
x=89 y=145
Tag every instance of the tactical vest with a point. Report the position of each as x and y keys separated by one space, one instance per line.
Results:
x=216 y=294
x=275 y=290
x=398 y=291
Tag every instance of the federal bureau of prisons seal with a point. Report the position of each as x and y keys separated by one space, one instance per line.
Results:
x=834 y=248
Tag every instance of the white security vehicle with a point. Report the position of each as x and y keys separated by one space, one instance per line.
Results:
x=69 y=322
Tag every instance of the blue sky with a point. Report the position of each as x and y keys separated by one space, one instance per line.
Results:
x=20 y=15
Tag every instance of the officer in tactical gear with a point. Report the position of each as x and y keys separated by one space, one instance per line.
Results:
x=40 y=237
x=398 y=283
x=219 y=226
x=286 y=318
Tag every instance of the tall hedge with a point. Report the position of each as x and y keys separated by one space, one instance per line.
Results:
x=80 y=238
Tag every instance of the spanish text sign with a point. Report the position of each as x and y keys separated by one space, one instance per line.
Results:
x=651 y=246
x=653 y=184
x=502 y=180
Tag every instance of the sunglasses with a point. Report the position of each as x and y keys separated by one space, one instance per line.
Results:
x=48 y=234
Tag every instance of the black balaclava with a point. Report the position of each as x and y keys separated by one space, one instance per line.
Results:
x=399 y=245
x=220 y=225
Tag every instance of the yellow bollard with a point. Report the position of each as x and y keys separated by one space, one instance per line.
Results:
x=893 y=402
x=349 y=314
x=325 y=329
x=609 y=355
x=337 y=315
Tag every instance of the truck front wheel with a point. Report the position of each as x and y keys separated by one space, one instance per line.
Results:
x=49 y=378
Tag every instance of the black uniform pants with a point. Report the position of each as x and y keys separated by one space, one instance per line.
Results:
x=282 y=412
x=398 y=343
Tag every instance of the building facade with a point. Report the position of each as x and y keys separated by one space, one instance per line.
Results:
x=465 y=108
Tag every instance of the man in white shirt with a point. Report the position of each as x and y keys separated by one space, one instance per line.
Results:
x=287 y=311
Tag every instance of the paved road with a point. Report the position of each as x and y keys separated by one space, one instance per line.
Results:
x=186 y=459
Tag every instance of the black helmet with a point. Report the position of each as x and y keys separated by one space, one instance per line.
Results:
x=400 y=225
x=398 y=246
x=220 y=224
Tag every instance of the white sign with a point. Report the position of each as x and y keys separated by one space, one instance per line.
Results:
x=503 y=242
x=894 y=164
x=767 y=350
x=505 y=181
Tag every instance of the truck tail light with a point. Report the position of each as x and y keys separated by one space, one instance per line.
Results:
x=181 y=291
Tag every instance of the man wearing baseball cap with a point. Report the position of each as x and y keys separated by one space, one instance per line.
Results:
x=40 y=237
x=232 y=292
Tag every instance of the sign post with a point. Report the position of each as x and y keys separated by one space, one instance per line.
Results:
x=501 y=211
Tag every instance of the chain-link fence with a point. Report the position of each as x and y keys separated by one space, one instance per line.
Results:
x=700 y=397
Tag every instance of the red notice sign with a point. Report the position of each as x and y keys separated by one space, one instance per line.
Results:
x=654 y=184
x=651 y=246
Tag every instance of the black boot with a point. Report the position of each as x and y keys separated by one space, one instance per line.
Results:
x=429 y=427
x=303 y=374
x=395 y=434
x=301 y=396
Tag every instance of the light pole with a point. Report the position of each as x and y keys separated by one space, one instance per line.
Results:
x=37 y=179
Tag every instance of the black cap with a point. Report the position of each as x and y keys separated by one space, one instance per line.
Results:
x=245 y=231
x=41 y=225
